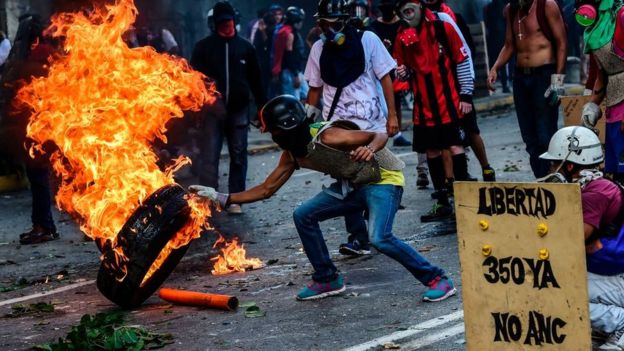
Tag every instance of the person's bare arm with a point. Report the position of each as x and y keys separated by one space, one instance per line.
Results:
x=271 y=184
x=594 y=245
x=361 y=144
x=392 y=126
x=314 y=95
x=506 y=52
x=553 y=16
x=599 y=87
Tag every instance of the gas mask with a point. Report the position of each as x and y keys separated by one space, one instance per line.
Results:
x=331 y=35
x=586 y=15
x=411 y=13
x=553 y=178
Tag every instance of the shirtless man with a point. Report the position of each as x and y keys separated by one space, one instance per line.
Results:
x=536 y=34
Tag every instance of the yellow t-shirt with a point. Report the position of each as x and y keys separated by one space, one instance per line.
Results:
x=387 y=177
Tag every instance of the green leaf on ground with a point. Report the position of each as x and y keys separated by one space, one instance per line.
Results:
x=20 y=310
x=254 y=312
x=107 y=332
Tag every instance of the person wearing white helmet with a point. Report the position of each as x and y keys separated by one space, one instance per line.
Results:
x=576 y=152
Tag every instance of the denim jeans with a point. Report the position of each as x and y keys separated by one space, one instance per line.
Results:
x=382 y=202
x=606 y=302
x=41 y=198
x=234 y=128
x=537 y=120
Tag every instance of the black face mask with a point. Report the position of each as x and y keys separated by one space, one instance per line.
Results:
x=295 y=140
x=387 y=13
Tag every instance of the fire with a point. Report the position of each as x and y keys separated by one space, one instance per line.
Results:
x=233 y=258
x=104 y=105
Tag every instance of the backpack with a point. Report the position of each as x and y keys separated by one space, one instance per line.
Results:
x=541 y=18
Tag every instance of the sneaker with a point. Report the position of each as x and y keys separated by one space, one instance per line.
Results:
x=401 y=141
x=423 y=181
x=354 y=248
x=38 y=235
x=471 y=178
x=438 y=213
x=316 y=290
x=615 y=341
x=234 y=209
x=440 y=289
x=489 y=175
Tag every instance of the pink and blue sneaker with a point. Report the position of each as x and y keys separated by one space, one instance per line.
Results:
x=440 y=289
x=317 y=290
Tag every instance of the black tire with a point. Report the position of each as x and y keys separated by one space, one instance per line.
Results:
x=142 y=238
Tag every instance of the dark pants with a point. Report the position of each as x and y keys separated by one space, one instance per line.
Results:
x=41 y=198
x=537 y=120
x=234 y=128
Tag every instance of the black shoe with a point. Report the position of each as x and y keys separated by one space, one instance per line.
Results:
x=471 y=178
x=401 y=141
x=354 y=248
x=489 y=175
x=38 y=235
x=423 y=181
x=438 y=213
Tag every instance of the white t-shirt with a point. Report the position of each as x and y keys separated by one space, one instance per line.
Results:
x=362 y=101
x=5 y=49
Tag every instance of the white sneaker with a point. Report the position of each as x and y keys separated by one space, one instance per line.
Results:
x=234 y=209
x=615 y=341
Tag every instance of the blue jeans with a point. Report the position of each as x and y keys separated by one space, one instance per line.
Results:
x=234 y=128
x=382 y=202
x=537 y=120
x=41 y=198
x=606 y=302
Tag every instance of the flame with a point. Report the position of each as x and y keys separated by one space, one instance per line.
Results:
x=104 y=105
x=233 y=258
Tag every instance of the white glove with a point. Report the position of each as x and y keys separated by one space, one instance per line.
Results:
x=313 y=113
x=556 y=89
x=591 y=114
x=210 y=194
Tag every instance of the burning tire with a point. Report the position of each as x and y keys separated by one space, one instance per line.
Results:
x=142 y=238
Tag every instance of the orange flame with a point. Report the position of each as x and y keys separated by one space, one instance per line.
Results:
x=233 y=258
x=103 y=105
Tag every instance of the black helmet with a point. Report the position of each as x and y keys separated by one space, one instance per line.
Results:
x=332 y=9
x=294 y=15
x=285 y=112
x=223 y=11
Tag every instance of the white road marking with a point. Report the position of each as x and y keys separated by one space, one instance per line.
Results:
x=433 y=338
x=305 y=174
x=46 y=293
x=413 y=330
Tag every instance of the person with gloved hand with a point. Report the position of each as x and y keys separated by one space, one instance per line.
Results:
x=536 y=34
x=368 y=176
x=604 y=40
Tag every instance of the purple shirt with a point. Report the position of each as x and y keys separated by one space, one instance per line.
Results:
x=601 y=202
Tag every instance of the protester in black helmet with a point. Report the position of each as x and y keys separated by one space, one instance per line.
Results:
x=231 y=61
x=349 y=155
x=263 y=42
x=288 y=54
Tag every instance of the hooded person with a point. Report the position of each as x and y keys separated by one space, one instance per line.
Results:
x=351 y=70
x=576 y=153
x=368 y=177
x=604 y=41
x=431 y=55
x=232 y=63
x=288 y=54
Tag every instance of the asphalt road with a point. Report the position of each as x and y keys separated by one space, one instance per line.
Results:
x=381 y=305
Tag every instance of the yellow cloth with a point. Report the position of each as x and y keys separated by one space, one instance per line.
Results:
x=387 y=177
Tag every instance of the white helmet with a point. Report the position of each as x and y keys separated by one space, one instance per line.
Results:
x=577 y=144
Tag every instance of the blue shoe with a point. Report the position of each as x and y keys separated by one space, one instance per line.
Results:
x=440 y=289
x=354 y=248
x=318 y=290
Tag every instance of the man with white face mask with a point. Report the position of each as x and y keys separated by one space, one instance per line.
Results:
x=431 y=54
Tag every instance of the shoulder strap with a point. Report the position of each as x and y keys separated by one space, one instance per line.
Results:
x=441 y=36
x=332 y=108
x=543 y=21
